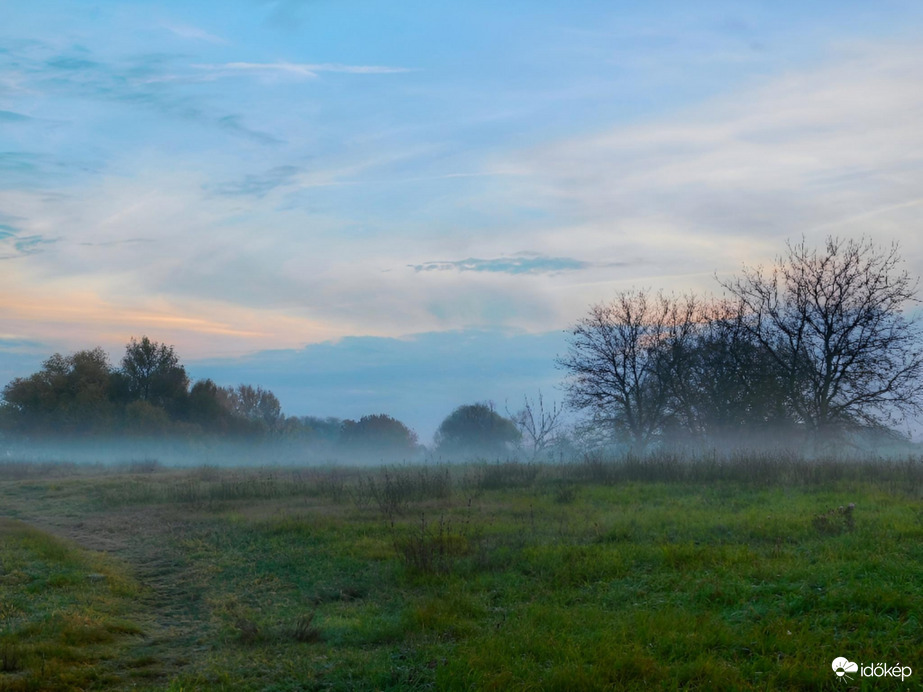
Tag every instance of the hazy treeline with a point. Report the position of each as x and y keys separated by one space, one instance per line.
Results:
x=149 y=393
x=149 y=402
x=812 y=351
x=149 y=396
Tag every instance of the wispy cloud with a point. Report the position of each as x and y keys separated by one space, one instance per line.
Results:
x=114 y=243
x=835 y=148
x=522 y=263
x=193 y=33
x=306 y=70
x=14 y=246
x=13 y=117
x=34 y=170
x=234 y=124
x=259 y=184
x=153 y=82
x=17 y=344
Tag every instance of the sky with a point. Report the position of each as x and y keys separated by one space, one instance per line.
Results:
x=400 y=207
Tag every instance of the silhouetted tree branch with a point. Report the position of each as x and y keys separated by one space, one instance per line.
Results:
x=832 y=321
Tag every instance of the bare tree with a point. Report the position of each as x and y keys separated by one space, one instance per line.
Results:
x=832 y=322
x=726 y=390
x=619 y=361
x=538 y=426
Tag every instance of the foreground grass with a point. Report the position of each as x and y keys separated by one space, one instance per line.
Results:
x=65 y=614
x=492 y=576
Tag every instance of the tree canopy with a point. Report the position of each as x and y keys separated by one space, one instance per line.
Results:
x=379 y=435
x=476 y=429
x=82 y=394
x=70 y=394
x=152 y=373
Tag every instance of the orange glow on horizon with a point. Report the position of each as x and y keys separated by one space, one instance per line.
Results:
x=71 y=320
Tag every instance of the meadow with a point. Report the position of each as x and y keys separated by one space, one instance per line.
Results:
x=733 y=573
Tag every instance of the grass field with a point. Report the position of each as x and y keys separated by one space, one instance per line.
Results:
x=737 y=574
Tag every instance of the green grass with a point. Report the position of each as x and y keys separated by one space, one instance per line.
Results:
x=589 y=576
x=66 y=615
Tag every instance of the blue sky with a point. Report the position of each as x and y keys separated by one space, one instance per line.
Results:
x=289 y=191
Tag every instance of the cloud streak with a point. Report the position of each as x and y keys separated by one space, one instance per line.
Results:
x=522 y=263
x=14 y=246
x=194 y=33
x=151 y=82
x=304 y=70
x=13 y=117
x=260 y=184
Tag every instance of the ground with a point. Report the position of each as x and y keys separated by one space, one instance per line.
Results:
x=746 y=573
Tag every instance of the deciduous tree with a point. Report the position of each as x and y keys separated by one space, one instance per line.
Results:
x=621 y=359
x=379 y=435
x=833 y=322
x=476 y=429
x=153 y=373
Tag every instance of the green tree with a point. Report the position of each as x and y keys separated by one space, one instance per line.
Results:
x=379 y=435
x=207 y=408
x=152 y=373
x=478 y=430
x=70 y=394
x=258 y=407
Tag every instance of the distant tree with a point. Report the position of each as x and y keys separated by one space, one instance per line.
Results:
x=207 y=408
x=142 y=418
x=832 y=322
x=149 y=394
x=256 y=405
x=320 y=431
x=476 y=429
x=538 y=427
x=70 y=394
x=152 y=373
x=379 y=435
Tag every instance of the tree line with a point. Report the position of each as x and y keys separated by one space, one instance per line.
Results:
x=149 y=394
x=815 y=349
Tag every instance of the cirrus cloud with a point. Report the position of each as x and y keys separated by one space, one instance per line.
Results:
x=520 y=263
x=305 y=70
